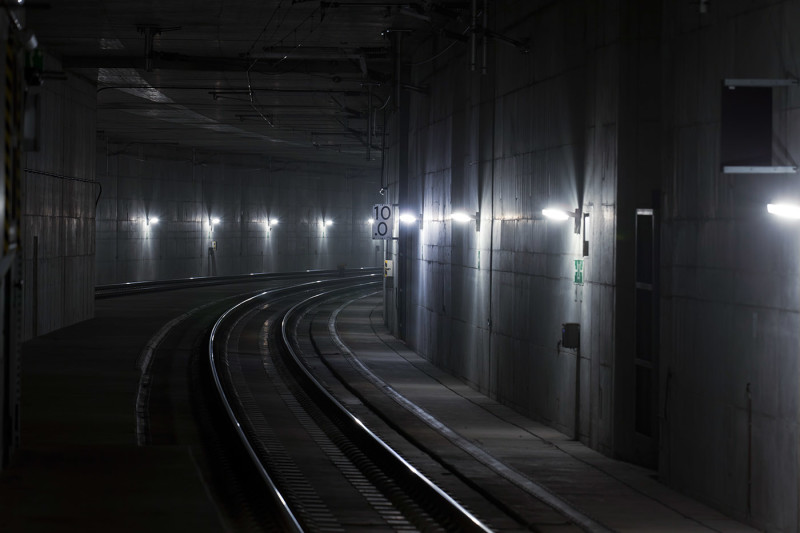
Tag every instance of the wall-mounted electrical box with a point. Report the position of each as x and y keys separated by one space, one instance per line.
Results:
x=571 y=335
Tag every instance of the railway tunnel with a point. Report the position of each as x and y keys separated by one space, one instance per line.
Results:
x=583 y=213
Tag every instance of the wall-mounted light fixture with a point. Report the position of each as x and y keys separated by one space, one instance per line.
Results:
x=271 y=222
x=784 y=210
x=461 y=216
x=554 y=213
x=212 y=221
x=150 y=220
x=558 y=214
x=408 y=218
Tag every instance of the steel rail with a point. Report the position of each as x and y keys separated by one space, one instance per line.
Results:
x=287 y=517
x=136 y=287
x=463 y=519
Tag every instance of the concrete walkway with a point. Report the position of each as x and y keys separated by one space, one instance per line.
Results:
x=618 y=495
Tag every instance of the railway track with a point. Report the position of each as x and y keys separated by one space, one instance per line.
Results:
x=290 y=436
x=358 y=480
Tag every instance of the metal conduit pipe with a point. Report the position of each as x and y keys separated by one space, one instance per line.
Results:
x=369 y=121
x=749 y=392
x=483 y=35
x=69 y=178
x=472 y=41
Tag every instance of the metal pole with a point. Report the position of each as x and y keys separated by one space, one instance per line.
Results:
x=484 y=35
x=473 y=38
x=369 y=121
x=578 y=393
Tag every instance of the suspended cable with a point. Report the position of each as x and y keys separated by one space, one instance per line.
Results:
x=277 y=8
x=70 y=178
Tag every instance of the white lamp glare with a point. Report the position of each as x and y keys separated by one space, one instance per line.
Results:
x=784 y=210
x=407 y=218
x=460 y=216
x=555 y=214
x=215 y=220
x=329 y=222
x=152 y=220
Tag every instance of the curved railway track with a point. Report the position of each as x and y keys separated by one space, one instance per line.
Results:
x=383 y=491
x=290 y=437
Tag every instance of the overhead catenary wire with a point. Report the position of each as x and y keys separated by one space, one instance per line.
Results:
x=269 y=21
x=251 y=94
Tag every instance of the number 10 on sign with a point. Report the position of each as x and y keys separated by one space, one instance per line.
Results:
x=382 y=223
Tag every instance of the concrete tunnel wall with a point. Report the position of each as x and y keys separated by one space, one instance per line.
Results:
x=615 y=108
x=489 y=303
x=58 y=211
x=614 y=100
x=185 y=191
x=730 y=288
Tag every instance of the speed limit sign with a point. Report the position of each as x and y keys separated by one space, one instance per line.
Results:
x=382 y=222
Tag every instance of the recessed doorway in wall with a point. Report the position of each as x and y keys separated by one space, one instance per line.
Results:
x=645 y=330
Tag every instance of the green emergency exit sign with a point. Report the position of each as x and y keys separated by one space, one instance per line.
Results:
x=579 y=271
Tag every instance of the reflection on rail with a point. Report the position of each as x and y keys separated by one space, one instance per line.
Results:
x=137 y=287
x=434 y=503
x=435 y=498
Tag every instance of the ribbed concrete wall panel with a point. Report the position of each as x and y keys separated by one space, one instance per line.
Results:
x=731 y=297
x=58 y=208
x=186 y=193
x=510 y=144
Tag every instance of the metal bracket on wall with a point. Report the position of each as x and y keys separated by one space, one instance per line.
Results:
x=758 y=170
x=732 y=83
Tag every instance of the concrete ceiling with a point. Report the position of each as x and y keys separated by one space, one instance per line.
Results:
x=289 y=79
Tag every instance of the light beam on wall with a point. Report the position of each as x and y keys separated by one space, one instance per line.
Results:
x=784 y=210
x=461 y=216
x=555 y=214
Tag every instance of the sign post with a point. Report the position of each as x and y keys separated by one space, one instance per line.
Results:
x=382 y=221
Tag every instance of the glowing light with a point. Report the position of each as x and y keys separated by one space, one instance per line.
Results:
x=784 y=210
x=370 y=221
x=555 y=214
x=215 y=220
x=407 y=218
x=152 y=220
x=329 y=222
x=460 y=216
